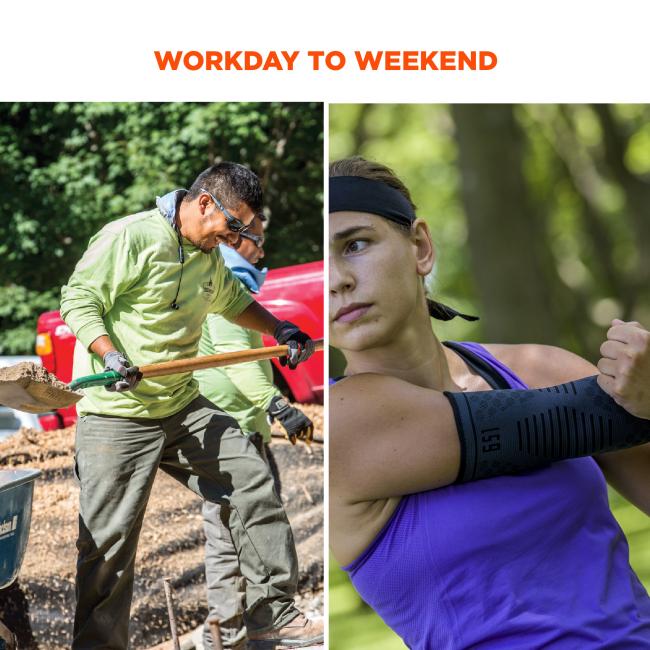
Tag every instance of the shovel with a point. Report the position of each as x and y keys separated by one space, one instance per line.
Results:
x=27 y=387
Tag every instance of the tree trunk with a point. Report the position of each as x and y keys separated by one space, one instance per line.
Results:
x=512 y=265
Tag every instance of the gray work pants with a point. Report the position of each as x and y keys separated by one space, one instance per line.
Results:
x=226 y=586
x=202 y=447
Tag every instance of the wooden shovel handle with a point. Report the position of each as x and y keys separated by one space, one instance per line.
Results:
x=217 y=360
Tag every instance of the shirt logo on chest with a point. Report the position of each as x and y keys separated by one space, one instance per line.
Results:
x=207 y=289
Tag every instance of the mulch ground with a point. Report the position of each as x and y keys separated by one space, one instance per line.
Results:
x=171 y=543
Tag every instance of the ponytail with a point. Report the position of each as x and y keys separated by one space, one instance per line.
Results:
x=441 y=312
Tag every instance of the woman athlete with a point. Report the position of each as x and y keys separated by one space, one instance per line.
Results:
x=532 y=557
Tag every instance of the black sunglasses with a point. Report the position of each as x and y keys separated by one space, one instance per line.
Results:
x=234 y=224
x=258 y=240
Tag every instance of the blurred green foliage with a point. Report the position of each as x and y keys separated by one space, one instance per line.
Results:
x=67 y=169
x=352 y=623
x=581 y=195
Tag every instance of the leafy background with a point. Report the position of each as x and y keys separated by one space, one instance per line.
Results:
x=67 y=169
x=541 y=217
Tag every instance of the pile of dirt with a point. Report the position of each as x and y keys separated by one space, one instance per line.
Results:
x=26 y=372
x=171 y=542
x=30 y=387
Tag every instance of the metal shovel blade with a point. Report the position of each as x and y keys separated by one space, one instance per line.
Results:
x=28 y=387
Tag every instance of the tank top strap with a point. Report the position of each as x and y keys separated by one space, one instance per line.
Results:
x=495 y=373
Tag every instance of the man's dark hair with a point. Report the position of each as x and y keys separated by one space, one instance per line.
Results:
x=232 y=184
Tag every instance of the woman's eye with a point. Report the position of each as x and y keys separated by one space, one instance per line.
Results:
x=356 y=246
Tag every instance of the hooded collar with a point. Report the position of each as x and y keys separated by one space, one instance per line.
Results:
x=251 y=276
x=168 y=204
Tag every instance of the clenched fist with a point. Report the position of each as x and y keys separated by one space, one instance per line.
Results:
x=625 y=367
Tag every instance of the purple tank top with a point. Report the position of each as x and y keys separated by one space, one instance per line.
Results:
x=509 y=563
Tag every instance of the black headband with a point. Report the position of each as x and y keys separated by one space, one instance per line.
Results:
x=357 y=194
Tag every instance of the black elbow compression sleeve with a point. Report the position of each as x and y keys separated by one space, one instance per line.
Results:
x=510 y=431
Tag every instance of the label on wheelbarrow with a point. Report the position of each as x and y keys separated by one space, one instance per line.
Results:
x=8 y=527
x=15 y=518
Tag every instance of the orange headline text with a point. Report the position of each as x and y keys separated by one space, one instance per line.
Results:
x=285 y=60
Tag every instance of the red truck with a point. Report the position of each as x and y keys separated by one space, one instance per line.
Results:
x=292 y=293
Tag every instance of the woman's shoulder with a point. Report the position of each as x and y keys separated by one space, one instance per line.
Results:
x=541 y=365
x=355 y=383
x=352 y=397
x=367 y=396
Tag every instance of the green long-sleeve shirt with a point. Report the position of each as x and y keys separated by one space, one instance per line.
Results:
x=243 y=390
x=123 y=287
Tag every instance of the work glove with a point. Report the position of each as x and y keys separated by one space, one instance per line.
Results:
x=118 y=362
x=296 y=424
x=301 y=346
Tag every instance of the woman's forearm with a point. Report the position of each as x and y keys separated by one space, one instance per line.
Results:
x=390 y=438
x=511 y=431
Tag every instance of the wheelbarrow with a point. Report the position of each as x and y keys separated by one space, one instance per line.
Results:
x=16 y=491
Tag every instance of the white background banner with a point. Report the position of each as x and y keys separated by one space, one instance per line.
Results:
x=558 y=50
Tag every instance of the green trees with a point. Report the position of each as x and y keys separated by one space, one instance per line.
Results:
x=66 y=169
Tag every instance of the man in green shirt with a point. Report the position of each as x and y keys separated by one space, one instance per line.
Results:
x=140 y=294
x=247 y=393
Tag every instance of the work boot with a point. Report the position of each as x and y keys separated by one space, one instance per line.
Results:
x=297 y=633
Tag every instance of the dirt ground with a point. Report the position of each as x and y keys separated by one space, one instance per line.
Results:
x=171 y=543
